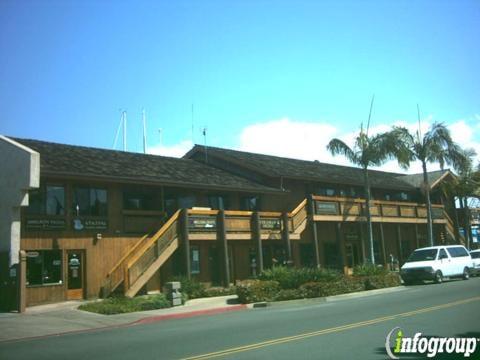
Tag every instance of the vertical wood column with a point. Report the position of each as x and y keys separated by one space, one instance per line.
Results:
x=311 y=207
x=384 y=250
x=186 y=243
x=417 y=240
x=341 y=244
x=286 y=237
x=257 y=238
x=22 y=282
x=399 y=243
x=362 y=242
x=222 y=237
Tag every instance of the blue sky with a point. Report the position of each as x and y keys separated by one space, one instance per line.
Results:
x=259 y=73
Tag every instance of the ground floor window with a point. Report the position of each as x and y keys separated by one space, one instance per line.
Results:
x=44 y=267
x=194 y=259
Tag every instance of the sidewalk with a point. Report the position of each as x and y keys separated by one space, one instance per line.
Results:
x=60 y=318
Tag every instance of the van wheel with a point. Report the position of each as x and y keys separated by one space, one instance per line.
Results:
x=466 y=274
x=438 y=277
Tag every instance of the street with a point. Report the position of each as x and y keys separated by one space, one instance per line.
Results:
x=345 y=328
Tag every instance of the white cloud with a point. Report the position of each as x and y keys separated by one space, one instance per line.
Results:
x=307 y=140
x=175 y=150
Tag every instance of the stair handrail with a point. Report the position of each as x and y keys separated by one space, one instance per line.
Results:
x=153 y=239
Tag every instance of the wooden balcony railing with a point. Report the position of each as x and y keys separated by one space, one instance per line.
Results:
x=346 y=209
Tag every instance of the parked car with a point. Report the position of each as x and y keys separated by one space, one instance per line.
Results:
x=475 y=254
x=435 y=263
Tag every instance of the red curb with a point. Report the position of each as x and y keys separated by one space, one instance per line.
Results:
x=189 y=314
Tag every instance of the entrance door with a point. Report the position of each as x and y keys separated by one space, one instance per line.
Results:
x=75 y=278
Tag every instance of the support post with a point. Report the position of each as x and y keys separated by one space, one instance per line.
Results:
x=286 y=237
x=311 y=207
x=417 y=240
x=22 y=282
x=222 y=237
x=399 y=243
x=362 y=242
x=341 y=244
x=382 y=239
x=257 y=238
x=186 y=243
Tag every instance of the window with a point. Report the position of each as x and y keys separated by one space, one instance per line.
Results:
x=90 y=202
x=47 y=200
x=457 y=251
x=218 y=202
x=475 y=255
x=325 y=191
x=194 y=259
x=44 y=267
x=186 y=202
x=251 y=203
x=141 y=200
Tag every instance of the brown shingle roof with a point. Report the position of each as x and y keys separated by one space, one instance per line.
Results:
x=67 y=160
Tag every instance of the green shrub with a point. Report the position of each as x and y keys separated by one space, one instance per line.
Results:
x=220 y=291
x=382 y=281
x=293 y=278
x=250 y=291
x=192 y=288
x=343 y=285
x=120 y=305
x=369 y=270
x=288 y=294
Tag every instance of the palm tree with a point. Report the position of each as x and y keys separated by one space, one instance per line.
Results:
x=435 y=146
x=368 y=151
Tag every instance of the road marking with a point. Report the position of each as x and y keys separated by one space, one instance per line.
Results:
x=329 y=330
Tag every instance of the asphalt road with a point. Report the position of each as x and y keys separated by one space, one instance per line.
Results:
x=349 y=328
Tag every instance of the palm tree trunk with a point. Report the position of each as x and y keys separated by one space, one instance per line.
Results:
x=426 y=185
x=468 y=232
x=369 y=217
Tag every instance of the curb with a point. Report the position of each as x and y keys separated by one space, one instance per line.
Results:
x=146 y=320
x=214 y=311
x=358 y=294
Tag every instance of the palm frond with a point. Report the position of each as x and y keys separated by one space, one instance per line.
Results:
x=338 y=147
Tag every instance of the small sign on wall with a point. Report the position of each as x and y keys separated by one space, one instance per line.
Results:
x=90 y=224
x=45 y=224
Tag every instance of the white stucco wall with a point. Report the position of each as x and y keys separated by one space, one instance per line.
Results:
x=19 y=172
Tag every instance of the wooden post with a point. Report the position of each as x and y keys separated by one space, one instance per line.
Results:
x=286 y=237
x=399 y=243
x=22 y=282
x=311 y=208
x=417 y=240
x=257 y=238
x=362 y=242
x=186 y=243
x=222 y=237
x=341 y=244
x=382 y=239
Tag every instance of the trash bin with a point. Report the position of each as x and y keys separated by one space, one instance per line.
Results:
x=172 y=292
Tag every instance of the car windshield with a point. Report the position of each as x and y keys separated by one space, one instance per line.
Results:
x=423 y=255
x=475 y=255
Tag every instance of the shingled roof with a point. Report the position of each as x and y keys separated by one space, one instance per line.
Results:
x=80 y=161
x=275 y=166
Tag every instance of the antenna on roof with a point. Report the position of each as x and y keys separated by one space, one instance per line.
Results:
x=144 y=131
x=160 y=131
x=370 y=113
x=193 y=139
x=123 y=123
x=204 y=132
x=419 y=132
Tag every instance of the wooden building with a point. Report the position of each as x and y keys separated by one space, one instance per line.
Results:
x=106 y=220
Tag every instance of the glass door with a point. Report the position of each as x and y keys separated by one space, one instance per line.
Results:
x=75 y=278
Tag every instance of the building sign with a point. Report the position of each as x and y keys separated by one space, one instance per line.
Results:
x=90 y=224
x=270 y=224
x=45 y=224
x=204 y=223
x=326 y=208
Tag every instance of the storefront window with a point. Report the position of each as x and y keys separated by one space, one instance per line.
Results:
x=90 y=201
x=47 y=200
x=44 y=267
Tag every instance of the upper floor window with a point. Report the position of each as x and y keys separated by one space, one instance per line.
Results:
x=90 y=201
x=251 y=203
x=138 y=200
x=218 y=202
x=326 y=191
x=47 y=200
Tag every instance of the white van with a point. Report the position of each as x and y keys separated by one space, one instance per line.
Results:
x=435 y=263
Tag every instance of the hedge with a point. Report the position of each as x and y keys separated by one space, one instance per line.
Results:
x=120 y=304
x=250 y=291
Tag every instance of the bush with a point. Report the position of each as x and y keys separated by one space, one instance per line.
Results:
x=329 y=288
x=120 y=305
x=369 y=270
x=220 y=291
x=382 y=281
x=192 y=288
x=293 y=278
x=249 y=291
x=289 y=294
